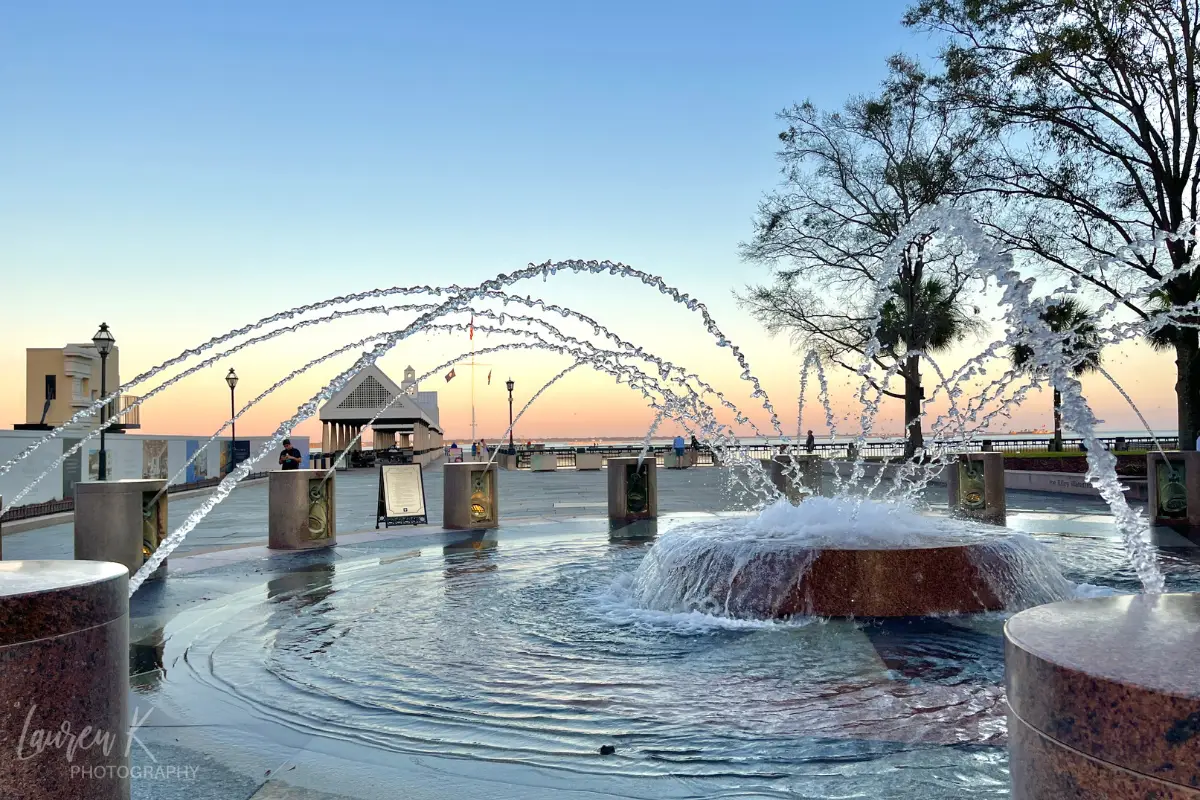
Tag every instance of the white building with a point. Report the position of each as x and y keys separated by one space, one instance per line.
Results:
x=403 y=415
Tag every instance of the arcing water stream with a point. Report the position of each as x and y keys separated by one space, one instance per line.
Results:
x=682 y=396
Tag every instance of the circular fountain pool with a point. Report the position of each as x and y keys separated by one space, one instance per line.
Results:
x=843 y=557
x=537 y=651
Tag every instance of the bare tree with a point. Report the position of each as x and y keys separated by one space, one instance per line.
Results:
x=854 y=180
x=1098 y=103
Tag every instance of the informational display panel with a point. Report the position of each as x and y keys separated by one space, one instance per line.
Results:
x=401 y=496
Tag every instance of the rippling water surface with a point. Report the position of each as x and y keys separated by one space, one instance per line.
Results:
x=530 y=651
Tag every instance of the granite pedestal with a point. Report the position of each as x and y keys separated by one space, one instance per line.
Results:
x=120 y=521
x=302 y=512
x=470 y=496
x=64 y=666
x=784 y=470
x=1174 y=488
x=975 y=484
x=507 y=461
x=793 y=581
x=632 y=491
x=1104 y=698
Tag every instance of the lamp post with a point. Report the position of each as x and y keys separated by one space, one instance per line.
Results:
x=512 y=450
x=231 y=380
x=104 y=341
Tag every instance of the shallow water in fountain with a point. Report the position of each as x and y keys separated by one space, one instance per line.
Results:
x=534 y=652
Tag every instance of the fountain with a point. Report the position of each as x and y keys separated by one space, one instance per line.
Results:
x=843 y=557
x=766 y=612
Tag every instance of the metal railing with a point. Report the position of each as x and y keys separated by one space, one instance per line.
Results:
x=565 y=456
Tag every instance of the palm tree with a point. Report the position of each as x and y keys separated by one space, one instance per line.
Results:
x=931 y=318
x=1081 y=349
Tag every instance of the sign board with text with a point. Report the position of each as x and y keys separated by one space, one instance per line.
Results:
x=401 y=496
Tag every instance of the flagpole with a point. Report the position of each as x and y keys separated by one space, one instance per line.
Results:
x=473 y=437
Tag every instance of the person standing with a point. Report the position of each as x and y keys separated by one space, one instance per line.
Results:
x=679 y=448
x=290 y=457
x=810 y=443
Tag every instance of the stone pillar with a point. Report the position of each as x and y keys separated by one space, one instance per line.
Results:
x=120 y=521
x=1104 y=698
x=632 y=492
x=64 y=659
x=470 y=496
x=783 y=475
x=1174 y=488
x=975 y=484
x=302 y=514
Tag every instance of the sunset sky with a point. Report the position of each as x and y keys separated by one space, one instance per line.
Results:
x=179 y=171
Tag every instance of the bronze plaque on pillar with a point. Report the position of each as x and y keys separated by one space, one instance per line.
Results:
x=971 y=495
x=154 y=527
x=1172 y=490
x=318 y=509
x=483 y=509
x=637 y=489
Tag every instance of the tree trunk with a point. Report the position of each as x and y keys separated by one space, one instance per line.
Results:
x=913 y=394
x=1187 y=385
x=1058 y=445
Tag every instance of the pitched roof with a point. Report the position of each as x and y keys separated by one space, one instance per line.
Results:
x=366 y=394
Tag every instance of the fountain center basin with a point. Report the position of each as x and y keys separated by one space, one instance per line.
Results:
x=844 y=557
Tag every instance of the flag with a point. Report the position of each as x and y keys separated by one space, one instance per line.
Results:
x=450 y=376
x=489 y=377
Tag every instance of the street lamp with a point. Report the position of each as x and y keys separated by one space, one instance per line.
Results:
x=512 y=450
x=104 y=341
x=231 y=380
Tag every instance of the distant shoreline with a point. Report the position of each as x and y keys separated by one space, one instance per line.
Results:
x=579 y=441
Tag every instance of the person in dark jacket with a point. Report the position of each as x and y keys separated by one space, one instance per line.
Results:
x=810 y=443
x=290 y=457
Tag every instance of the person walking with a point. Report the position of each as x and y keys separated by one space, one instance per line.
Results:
x=810 y=443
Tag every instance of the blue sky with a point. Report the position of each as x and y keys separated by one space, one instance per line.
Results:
x=219 y=161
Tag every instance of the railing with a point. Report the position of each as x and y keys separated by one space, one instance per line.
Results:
x=565 y=456
x=68 y=503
